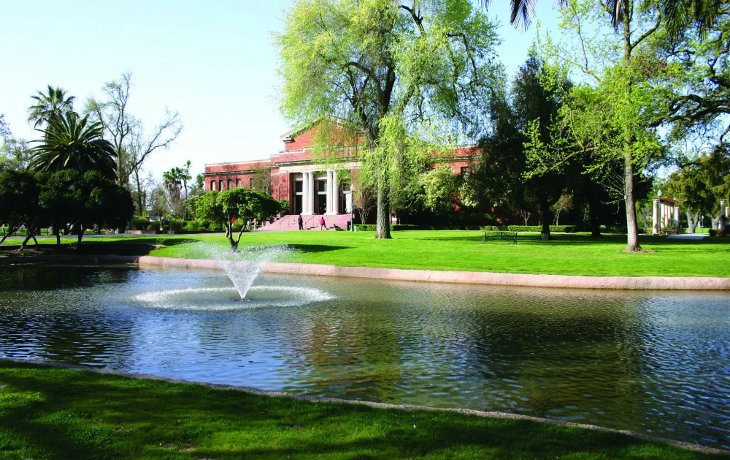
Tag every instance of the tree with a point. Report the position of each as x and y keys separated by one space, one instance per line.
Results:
x=49 y=106
x=74 y=201
x=441 y=187
x=14 y=154
x=73 y=143
x=176 y=181
x=4 y=129
x=679 y=14
x=695 y=98
x=499 y=177
x=19 y=201
x=700 y=186
x=126 y=133
x=398 y=74
x=607 y=115
x=238 y=203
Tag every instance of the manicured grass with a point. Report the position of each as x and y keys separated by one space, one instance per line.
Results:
x=567 y=254
x=50 y=412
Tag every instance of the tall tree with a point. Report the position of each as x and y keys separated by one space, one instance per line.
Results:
x=607 y=114
x=53 y=104
x=70 y=142
x=126 y=133
x=391 y=71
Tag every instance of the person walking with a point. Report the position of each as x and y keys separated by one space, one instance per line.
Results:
x=322 y=224
x=300 y=222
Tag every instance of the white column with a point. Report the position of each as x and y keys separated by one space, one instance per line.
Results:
x=328 y=194
x=335 y=194
x=305 y=193
x=348 y=203
x=310 y=193
x=655 y=216
x=723 y=208
x=676 y=214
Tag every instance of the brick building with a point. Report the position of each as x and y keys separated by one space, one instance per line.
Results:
x=311 y=185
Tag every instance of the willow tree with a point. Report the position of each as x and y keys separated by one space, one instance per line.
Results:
x=402 y=74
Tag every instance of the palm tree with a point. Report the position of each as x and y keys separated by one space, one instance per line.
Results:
x=679 y=15
x=53 y=104
x=70 y=142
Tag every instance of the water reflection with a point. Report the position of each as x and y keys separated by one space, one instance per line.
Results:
x=653 y=362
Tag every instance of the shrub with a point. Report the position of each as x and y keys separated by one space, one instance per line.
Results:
x=176 y=225
x=140 y=223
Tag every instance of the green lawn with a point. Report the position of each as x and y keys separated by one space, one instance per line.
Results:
x=567 y=254
x=59 y=413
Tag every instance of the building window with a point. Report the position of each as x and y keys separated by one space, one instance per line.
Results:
x=298 y=186
x=230 y=184
x=465 y=171
x=212 y=185
x=322 y=186
x=238 y=182
x=220 y=185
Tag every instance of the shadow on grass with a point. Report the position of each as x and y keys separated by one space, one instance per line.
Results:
x=59 y=413
x=315 y=248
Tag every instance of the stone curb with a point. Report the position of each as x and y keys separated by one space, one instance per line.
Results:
x=407 y=407
x=463 y=277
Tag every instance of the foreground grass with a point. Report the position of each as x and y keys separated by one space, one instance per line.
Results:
x=59 y=413
x=567 y=254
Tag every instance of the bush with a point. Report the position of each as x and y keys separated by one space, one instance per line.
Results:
x=214 y=227
x=176 y=225
x=193 y=226
x=140 y=223
x=153 y=226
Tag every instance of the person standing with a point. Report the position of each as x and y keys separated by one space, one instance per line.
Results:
x=300 y=222
x=322 y=224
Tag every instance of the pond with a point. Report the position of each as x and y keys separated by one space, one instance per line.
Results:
x=653 y=362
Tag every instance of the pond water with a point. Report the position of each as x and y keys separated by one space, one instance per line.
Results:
x=657 y=363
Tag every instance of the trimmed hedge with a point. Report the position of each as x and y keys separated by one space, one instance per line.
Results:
x=488 y=228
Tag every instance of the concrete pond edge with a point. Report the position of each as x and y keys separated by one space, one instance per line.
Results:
x=377 y=405
x=466 y=277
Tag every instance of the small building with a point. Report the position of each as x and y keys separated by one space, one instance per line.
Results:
x=665 y=215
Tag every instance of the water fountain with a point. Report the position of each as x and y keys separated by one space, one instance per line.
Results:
x=242 y=269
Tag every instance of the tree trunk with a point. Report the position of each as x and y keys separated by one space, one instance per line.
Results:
x=545 y=217
x=81 y=235
x=691 y=222
x=25 y=241
x=58 y=236
x=594 y=218
x=632 y=229
x=382 y=226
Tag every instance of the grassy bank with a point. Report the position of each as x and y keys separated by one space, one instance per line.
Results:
x=567 y=254
x=59 y=413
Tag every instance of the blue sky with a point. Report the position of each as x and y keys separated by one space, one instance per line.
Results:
x=214 y=62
